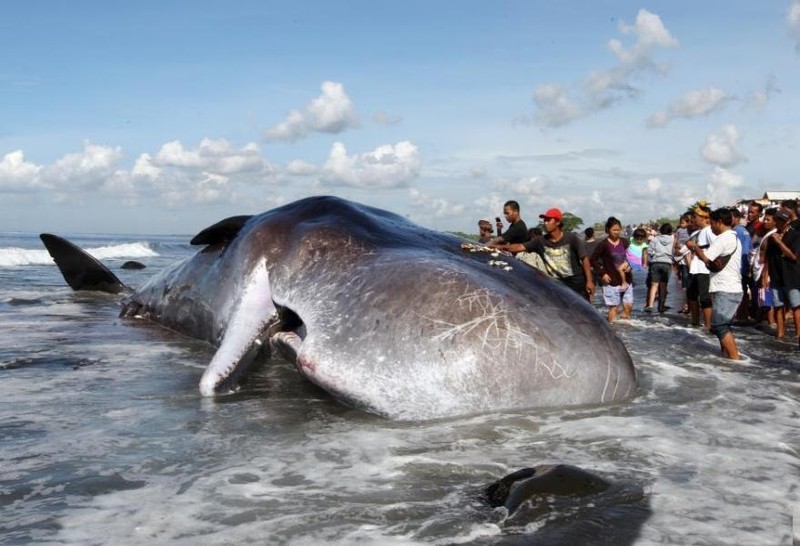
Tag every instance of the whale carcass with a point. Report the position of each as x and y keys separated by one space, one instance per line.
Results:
x=384 y=314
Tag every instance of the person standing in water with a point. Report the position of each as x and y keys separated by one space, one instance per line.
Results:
x=725 y=283
x=609 y=262
x=659 y=259
x=563 y=253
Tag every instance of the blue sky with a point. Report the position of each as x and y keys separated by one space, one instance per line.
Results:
x=164 y=117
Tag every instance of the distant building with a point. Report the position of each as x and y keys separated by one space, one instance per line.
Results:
x=770 y=199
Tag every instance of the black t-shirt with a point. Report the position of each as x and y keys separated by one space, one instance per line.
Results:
x=516 y=233
x=782 y=271
x=562 y=258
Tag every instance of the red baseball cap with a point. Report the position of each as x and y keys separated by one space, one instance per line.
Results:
x=555 y=214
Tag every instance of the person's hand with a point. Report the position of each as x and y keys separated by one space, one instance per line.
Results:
x=691 y=244
x=606 y=278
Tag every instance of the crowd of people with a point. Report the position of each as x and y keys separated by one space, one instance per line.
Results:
x=736 y=267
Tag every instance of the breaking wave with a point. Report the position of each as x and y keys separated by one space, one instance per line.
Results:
x=15 y=257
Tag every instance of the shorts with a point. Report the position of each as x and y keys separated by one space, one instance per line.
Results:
x=684 y=269
x=577 y=283
x=698 y=290
x=614 y=295
x=723 y=311
x=783 y=295
x=659 y=272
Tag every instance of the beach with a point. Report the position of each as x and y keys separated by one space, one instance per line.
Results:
x=106 y=439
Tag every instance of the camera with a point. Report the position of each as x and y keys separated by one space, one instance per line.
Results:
x=497 y=219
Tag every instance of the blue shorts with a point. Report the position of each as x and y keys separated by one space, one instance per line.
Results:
x=783 y=295
x=613 y=295
x=723 y=310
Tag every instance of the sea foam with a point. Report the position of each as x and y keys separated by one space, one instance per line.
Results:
x=15 y=257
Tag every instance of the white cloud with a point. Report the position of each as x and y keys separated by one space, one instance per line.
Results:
x=88 y=169
x=217 y=156
x=693 y=104
x=654 y=185
x=428 y=207
x=16 y=174
x=214 y=171
x=298 y=167
x=388 y=166
x=556 y=106
x=722 y=147
x=759 y=98
x=331 y=112
x=382 y=118
x=793 y=18
x=722 y=188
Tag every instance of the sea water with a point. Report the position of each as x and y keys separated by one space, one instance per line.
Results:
x=104 y=438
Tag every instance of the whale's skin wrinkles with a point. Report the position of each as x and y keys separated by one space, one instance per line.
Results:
x=396 y=319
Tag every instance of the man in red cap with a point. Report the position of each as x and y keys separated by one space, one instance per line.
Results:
x=563 y=252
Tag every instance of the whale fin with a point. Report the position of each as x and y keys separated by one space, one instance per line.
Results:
x=80 y=270
x=222 y=232
x=244 y=337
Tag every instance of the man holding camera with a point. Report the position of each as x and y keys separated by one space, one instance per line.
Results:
x=517 y=231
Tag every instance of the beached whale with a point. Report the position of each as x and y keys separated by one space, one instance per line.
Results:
x=384 y=314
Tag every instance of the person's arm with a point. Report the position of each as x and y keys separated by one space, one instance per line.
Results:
x=587 y=271
x=785 y=249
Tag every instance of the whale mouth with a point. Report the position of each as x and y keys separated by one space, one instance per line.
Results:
x=286 y=334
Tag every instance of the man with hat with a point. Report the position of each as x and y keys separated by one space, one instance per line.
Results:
x=485 y=229
x=783 y=269
x=563 y=253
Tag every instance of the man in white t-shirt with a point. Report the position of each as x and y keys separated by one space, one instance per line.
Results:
x=697 y=293
x=725 y=284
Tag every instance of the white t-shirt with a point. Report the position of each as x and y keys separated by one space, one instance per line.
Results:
x=730 y=278
x=756 y=265
x=704 y=240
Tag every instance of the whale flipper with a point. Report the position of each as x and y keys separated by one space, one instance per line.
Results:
x=81 y=270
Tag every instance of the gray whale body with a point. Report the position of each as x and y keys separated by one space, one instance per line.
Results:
x=386 y=315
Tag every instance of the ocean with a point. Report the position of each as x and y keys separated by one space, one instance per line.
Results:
x=104 y=438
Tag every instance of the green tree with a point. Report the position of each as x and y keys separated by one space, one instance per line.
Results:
x=569 y=222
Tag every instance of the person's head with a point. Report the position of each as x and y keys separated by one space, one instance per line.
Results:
x=511 y=211
x=485 y=228
x=665 y=229
x=551 y=220
x=588 y=233
x=754 y=212
x=684 y=220
x=782 y=218
x=639 y=235
x=613 y=228
x=700 y=215
x=790 y=206
x=721 y=219
x=769 y=218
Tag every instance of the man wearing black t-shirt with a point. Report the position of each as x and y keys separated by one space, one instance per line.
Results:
x=517 y=231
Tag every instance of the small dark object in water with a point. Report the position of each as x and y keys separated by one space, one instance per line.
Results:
x=133 y=265
x=542 y=480
x=564 y=504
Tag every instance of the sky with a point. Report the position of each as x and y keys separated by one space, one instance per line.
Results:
x=165 y=117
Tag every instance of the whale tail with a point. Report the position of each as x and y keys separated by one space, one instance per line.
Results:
x=81 y=270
